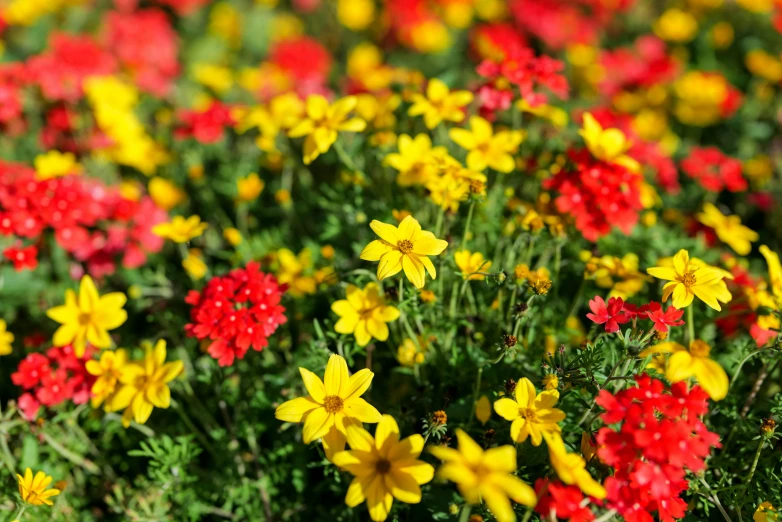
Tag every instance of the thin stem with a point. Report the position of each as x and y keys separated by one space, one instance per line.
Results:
x=439 y=225
x=714 y=499
x=467 y=225
x=464 y=516
x=527 y=515
x=607 y=516
x=19 y=513
x=748 y=480
x=347 y=160
x=690 y=325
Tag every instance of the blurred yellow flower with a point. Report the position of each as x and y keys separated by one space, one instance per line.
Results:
x=332 y=405
x=404 y=248
x=570 y=467
x=531 y=413
x=728 y=228
x=765 y=65
x=249 y=187
x=483 y=409
x=6 y=338
x=233 y=236
x=487 y=148
x=688 y=280
x=722 y=35
x=440 y=104
x=699 y=98
x=356 y=14
x=364 y=314
x=88 y=317
x=292 y=270
x=323 y=122
x=226 y=22
x=757 y=6
x=693 y=362
x=556 y=115
x=35 y=490
x=677 y=26
x=385 y=467
x=469 y=263
x=485 y=475
x=766 y=512
x=108 y=371
x=55 y=164
x=414 y=161
x=164 y=193
x=551 y=381
x=216 y=77
x=194 y=264
x=412 y=353
x=179 y=229
x=609 y=145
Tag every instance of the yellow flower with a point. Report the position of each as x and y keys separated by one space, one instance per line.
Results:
x=194 y=265
x=216 y=77
x=412 y=353
x=570 y=467
x=403 y=248
x=689 y=279
x=331 y=407
x=108 y=372
x=249 y=187
x=757 y=6
x=695 y=362
x=427 y=296
x=88 y=318
x=699 y=98
x=414 y=160
x=355 y=14
x=609 y=145
x=34 y=490
x=471 y=262
x=384 y=468
x=762 y=64
x=55 y=164
x=531 y=414
x=292 y=271
x=766 y=512
x=164 y=193
x=485 y=475
x=322 y=124
x=722 y=35
x=327 y=251
x=487 y=149
x=729 y=229
x=233 y=236
x=364 y=314
x=440 y=104
x=226 y=22
x=145 y=385
x=551 y=381
x=774 y=270
x=557 y=116
x=179 y=229
x=675 y=25
x=6 y=338
x=483 y=409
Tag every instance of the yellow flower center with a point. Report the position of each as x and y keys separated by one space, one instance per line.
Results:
x=405 y=246
x=530 y=414
x=689 y=279
x=84 y=319
x=333 y=404
x=699 y=348
x=383 y=466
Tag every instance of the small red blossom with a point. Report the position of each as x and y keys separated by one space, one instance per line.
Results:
x=25 y=258
x=207 y=126
x=714 y=170
x=561 y=501
x=611 y=314
x=662 y=320
x=236 y=312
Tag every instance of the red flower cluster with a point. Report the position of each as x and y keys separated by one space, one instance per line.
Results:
x=305 y=60
x=714 y=170
x=597 y=194
x=558 y=500
x=618 y=312
x=496 y=41
x=235 y=312
x=660 y=438
x=146 y=45
x=11 y=76
x=207 y=126
x=641 y=66
x=53 y=378
x=90 y=220
x=25 y=258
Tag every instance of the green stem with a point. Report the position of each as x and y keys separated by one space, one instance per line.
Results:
x=748 y=480
x=19 y=513
x=467 y=225
x=527 y=515
x=690 y=325
x=69 y=455
x=347 y=160
x=464 y=516
x=439 y=225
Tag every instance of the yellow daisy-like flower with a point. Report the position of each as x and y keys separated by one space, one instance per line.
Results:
x=34 y=489
x=249 y=188
x=729 y=229
x=6 y=338
x=292 y=272
x=471 y=262
x=766 y=512
x=690 y=279
x=164 y=193
x=440 y=104
x=55 y=164
x=145 y=385
x=485 y=475
x=179 y=229
x=108 y=372
x=695 y=362
x=384 y=467
x=774 y=270
x=194 y=264
x=414 y=161
x=571 y=467
x=323 y=122
x=364 y=314
x=609 y=145
x=530 y=414
x=87 y=318
x=488 y=149
x=333 y=404
x=403 y=248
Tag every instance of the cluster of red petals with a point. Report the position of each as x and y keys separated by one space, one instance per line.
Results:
x=25 y=258
x=527 y=72
x=496 y=40
x=52 y=378
x=599 y=195
x=559 y=501
x=715 y=171
x=91 y=221
x=11 y=81
x=659 y=438
x=617 y=312
x=146 y=45
x=645 y=64
x=235 y=312
x=207 y=126
x=739 y=313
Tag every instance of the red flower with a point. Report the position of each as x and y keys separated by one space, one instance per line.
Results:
x=23 y=258
x=29 y=406
x=236 y=312
x=561 y=501
x=662 y=320
x=714 y=170
x=205 y=126
x=612 y=315
x=30 y=371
